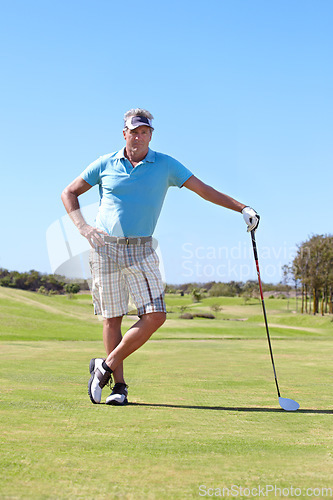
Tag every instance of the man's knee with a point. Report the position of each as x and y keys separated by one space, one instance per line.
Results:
x=112 y=323
x=156 y=318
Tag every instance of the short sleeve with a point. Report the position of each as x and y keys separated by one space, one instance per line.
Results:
x=178 y=173
x=92 y=173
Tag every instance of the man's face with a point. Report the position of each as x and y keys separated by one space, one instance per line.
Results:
x=137 y=140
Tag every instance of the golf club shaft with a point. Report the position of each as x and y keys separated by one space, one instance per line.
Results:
x=255 y=252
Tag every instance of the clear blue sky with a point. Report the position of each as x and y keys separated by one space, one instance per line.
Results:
x=241 y=91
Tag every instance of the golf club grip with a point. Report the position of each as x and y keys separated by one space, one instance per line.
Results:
x=254 y=244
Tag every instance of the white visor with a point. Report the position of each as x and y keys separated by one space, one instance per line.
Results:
x=137 y=121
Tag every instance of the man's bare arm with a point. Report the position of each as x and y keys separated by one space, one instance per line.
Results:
x=70 y=200
x=210 y=194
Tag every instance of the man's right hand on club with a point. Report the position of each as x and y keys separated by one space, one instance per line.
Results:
x=93 y=235
x=251 y=218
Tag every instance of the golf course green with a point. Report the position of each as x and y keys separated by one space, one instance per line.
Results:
x=203 y=419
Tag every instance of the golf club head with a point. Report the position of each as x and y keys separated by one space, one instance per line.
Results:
x=288 y=404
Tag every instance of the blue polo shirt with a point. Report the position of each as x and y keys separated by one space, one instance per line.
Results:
x=131 y=198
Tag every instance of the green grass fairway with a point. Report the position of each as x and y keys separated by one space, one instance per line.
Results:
x=203 y=413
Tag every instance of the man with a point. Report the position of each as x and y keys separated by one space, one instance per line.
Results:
x=132 y=185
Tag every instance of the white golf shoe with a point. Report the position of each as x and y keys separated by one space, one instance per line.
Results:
x=99 y=378
x=118 y=396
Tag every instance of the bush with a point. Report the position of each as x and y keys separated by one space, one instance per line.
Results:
x=72 y=288
x=204 y=315
x=216 y=308
x=197 y=295
x=6 y=281
x=186 y=316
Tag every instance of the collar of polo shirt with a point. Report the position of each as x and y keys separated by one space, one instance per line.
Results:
x=150 y=158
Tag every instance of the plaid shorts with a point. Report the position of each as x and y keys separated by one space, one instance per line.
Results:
x=123 y=272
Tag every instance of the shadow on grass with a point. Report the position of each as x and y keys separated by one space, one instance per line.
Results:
x=230 y=408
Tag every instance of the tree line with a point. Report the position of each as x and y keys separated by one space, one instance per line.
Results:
x=230 y=289
x=312 y=271
x=50 y=284
x=34 y=281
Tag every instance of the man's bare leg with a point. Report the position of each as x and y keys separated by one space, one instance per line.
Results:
x=112 y=337
x=135 y=337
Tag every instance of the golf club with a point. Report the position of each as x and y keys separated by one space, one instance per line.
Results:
x=286 y=404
